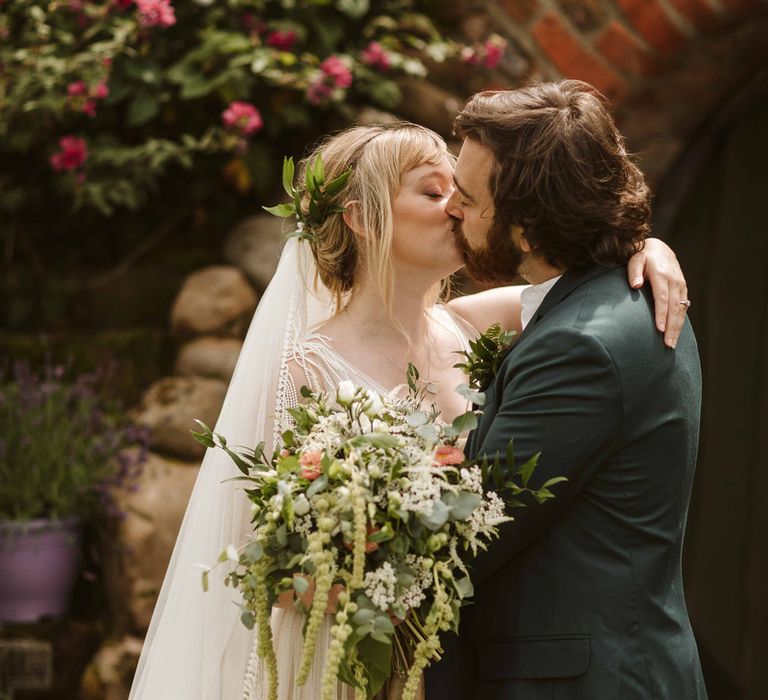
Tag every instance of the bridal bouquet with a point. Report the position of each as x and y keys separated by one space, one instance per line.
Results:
x=371 y=493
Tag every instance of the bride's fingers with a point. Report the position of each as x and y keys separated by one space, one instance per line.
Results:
x=677 y=310
x=635 y=268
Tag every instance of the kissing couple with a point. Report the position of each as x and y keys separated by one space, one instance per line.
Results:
x=580 y=597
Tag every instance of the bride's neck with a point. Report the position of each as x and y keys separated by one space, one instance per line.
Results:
x=373 y=319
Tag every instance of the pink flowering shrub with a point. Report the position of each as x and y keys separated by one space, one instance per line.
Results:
x=155 y=13
x=152 y=87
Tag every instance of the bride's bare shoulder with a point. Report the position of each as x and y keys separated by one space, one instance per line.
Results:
x=499 y=305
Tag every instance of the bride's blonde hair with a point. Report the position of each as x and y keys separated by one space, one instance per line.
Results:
x=378 y=157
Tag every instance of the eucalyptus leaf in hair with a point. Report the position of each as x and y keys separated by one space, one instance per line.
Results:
x=317 y=191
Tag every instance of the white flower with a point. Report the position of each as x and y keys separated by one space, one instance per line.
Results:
x=346 y=392
x=373 y=406
x=232 y=554
x=380 y=586
x=301 y=505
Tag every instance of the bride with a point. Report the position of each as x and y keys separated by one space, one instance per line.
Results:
x=360 y=303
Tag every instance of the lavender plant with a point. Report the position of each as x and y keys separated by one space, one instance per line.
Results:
x=63 y=446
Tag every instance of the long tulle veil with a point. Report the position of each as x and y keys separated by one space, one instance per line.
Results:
x=196 y=647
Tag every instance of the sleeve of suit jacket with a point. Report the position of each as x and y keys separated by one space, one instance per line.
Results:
x=562 y=397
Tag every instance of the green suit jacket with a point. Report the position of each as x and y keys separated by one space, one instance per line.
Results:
x=582 y=597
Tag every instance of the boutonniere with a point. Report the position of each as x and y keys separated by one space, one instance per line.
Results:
x=486 y=355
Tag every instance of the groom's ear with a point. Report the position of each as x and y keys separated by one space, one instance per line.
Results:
x=351 y=216
x=518 y=234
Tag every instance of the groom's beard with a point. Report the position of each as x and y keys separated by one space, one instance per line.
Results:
x=498 y=262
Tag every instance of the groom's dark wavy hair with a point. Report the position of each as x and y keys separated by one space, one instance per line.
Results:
x=561 y=172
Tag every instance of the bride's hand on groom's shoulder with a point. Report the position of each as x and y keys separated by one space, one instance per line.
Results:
x=657 y=263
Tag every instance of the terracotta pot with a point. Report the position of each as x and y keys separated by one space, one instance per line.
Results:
x=39 y=561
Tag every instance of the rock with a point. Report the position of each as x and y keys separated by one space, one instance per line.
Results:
x=255 y=246
x=216 y=300
x=169 y=408
x=147 y=533
x=109 y=674
x=209 y=357
x=428 y=104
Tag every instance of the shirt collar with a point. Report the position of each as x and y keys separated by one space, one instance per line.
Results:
x=532 y=297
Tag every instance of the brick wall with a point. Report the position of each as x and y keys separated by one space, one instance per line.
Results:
x=664 y=64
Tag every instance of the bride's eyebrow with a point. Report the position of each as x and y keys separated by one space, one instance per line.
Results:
x=432 y=174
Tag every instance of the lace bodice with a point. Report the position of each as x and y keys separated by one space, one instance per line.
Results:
x=324 y=368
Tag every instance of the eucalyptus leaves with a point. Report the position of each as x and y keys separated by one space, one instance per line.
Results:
x=319 y=194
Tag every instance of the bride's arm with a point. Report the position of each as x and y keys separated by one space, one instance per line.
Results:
x=656 y=262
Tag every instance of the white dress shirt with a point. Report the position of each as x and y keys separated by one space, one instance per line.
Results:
x=531 y=298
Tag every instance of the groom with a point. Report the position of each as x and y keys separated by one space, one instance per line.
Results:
x=581 y=597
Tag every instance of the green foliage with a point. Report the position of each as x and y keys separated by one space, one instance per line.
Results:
x=483 y=360
x=149 y=101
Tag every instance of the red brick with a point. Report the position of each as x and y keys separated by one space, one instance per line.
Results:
x=520 y=10
x=576 y=61
x=653 y=24
x=624 y=51
x=700 y=13
x=738 y=7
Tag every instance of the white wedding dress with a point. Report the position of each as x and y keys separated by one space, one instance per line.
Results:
x=196 y=647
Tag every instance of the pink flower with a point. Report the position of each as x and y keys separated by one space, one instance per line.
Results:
x=494 y=50
x=89 y=108
x=469 y=56
x=107 y=62
x=73 y=154
x=100 y=90
x=243 y=117
x=123 y=4
x=312 y=463
x=155 y=13
x=318 y=91
x=336 y=69
x=77 y=88
x=375 y=56
x=282 y=39
x=446 y=455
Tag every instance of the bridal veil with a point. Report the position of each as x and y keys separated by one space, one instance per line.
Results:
x=196 y=648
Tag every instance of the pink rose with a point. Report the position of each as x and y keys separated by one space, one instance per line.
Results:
x=89 y=108
x=375 y=56
x=77 y=88
x=318 y=91
x=494 y=50
x=282 y=39
x=242 y=117
x=123 y=4
x=155 y=13
x=446 y=455
x=73 y=154
x=100 y=90
x=312 y=463
x=336 y=69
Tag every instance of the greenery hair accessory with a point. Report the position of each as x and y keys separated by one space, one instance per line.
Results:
x=319 y=193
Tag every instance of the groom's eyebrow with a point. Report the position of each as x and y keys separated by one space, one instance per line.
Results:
x=464 y=193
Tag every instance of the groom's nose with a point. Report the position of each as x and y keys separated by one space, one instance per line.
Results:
x=452 y=207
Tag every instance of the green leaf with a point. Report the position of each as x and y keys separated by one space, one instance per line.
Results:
x=288 y=173
x=464 y=587
x=427 y=432
x=465 y=422
x=253 y=551
x=553 y=481
x=203 y=439
x=438 y=517
x=528 y=468
x=337 y=184
x=205 y=581
x=248 y=619
x=475 y=397
x=465 y=504
x=318 y=171
x=300 y=585
x=281 y=210
x=144 y=107
x=317 y=485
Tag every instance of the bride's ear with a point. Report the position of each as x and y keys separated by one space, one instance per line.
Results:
x=351 y=216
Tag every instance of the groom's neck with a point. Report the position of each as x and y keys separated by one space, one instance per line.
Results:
x=536 y=270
